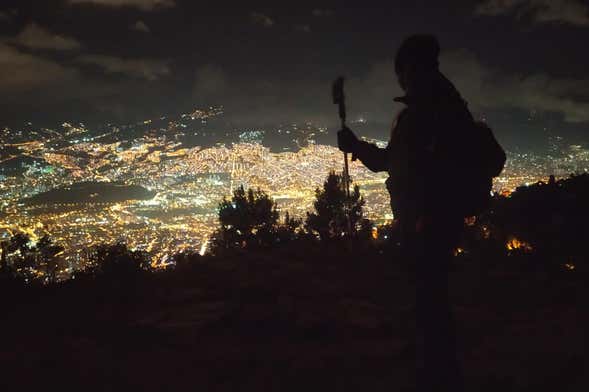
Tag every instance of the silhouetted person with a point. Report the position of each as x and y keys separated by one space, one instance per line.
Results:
x=421 y=161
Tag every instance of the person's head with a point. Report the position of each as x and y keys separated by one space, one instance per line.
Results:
x=416 y=58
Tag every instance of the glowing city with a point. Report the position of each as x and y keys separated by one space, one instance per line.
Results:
x=153 y=187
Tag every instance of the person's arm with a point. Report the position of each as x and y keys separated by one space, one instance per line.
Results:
x=372 y=156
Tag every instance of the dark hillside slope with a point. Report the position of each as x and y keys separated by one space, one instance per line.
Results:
x=295 y=318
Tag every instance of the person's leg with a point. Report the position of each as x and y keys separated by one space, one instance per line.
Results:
x=440 y=370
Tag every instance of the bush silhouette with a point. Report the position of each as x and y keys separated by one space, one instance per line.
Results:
x=31 y=262
x=117 y=261
x=19 y=242
x=247 y=220
x=552 y=217
x=48 y=252
x=289 y=229
x=251 y=220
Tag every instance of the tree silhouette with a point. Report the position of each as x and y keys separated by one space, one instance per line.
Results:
x=333 y=208
x=552 y=217
x=26 y=260
x=289 y=230
x=118 y=260
x=19 y=242
x=48 y=251
x=186 y=260
x=5 y=269
x=249 y=219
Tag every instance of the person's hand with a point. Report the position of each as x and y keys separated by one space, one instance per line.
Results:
x=346 y=140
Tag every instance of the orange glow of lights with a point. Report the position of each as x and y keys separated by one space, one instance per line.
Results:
x=470 y=221
x=516 y=244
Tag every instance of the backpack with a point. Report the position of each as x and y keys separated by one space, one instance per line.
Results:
x=484 y=159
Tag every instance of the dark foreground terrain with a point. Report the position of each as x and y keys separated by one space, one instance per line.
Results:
x=321 y=318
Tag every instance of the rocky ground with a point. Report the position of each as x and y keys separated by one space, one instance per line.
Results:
x=323 y=318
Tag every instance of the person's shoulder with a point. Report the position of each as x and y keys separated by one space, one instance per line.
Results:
x=403 y=114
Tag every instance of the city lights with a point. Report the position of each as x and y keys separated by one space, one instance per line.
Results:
x=158 y=193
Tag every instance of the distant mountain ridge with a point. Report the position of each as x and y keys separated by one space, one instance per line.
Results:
x=91 y=192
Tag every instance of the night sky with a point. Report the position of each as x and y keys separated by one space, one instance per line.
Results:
x=521 y=64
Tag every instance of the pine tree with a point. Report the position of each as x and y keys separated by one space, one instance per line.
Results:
x=248 y=220
x=333 y=209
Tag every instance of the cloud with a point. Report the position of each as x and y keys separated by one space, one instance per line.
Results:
x=486 y=88
x=261 y=19
x=257 y=99
x=38 y=86
x=483 y=87
x=22 y=72
x=262 y=99
x=303 y=28
x=137 y=68
x=143 y=5
x=42 y=84
x=141 y=27
x=572 y=12
x=34 y=36
x=318 y=12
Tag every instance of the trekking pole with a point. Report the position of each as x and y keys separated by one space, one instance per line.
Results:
x=339 y=99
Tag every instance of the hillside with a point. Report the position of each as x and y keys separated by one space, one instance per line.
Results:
x=296 y=318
